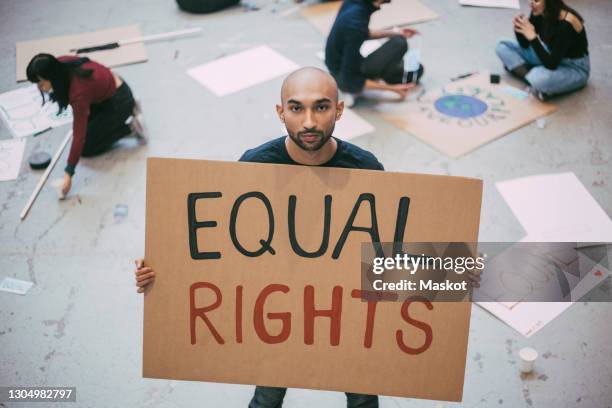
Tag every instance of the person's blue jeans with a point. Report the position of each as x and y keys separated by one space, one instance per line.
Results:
x=272 y=397
x=570 y=75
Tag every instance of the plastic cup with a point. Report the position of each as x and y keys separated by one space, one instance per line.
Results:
x=528 y=357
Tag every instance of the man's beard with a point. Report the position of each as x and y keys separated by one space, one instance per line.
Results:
x=323 y=138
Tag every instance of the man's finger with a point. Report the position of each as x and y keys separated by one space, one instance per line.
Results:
x=144 y=282
x=139 y=263
x=142 y=271
x=140 y=278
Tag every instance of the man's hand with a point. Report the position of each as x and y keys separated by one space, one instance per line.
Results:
x=401 y=89
x=144 y=275
x=67 y=184
x=474 y=277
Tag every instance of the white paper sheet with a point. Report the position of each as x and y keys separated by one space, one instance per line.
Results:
x=11 y=155
x=526 y=317
x=24 y=114
x=17 y=286
x=529 y=317
x=242 y=70
x=556 y=208
x=511 y=4
x=351 y=125
x=552 y=208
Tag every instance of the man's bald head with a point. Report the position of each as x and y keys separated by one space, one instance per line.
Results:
x=309 y=108
x=309 y=80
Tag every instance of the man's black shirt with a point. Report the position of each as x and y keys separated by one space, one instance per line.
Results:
x=347 y=155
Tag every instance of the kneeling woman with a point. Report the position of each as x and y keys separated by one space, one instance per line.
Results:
x=102 y=104
x=551 y=54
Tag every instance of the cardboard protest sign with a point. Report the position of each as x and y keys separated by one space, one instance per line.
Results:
x=466 y=114
x=126 y=54
x=258 y=277
x=397 y=13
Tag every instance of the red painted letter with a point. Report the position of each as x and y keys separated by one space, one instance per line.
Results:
x=423 y=326
x=201 y=311
x=239 y=314
x=334 y=314
x=367 y=340
x=258 y=319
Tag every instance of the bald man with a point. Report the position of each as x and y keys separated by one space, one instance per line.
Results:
x=309 y=109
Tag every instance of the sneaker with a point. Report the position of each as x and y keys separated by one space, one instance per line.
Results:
x=542 y=97
x=414 y=76
x=137 y=124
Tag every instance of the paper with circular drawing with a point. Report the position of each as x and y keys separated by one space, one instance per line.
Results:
x=24 y=113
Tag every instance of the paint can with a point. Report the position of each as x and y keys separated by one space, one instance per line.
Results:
x=39 y=160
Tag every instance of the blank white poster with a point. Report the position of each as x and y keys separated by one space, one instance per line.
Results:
x=556 y=208
x=242 y=70
x=351 y=125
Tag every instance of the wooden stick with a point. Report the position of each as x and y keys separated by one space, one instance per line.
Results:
x=163 y=36
x=45 y=176
x=146 y=38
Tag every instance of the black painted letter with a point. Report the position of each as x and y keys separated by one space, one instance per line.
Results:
x=265 y=244
x=194 y=225
x=372 y=230
x=326 y=222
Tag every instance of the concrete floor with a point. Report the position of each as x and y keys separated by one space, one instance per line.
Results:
x=81 y=324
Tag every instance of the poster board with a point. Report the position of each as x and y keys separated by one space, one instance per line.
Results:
x=351 y=126
x=466 y=114
x=23 y=112
x=396 y=13
x=242 y=70
x=441 y=208
x=126 y=54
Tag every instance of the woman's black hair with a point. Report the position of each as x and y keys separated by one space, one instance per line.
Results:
x=552 y=11
x=46 y=66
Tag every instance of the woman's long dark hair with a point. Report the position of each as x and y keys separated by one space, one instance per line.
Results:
x=551 y=15
x=46 y=66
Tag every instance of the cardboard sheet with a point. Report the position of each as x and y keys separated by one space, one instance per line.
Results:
x=351 y=125
x=394 y=14
x=208 y=315
x=24 y=114
x=126 y=54
x=242 y=70
x=11 y=155
x=466 y=114
x=511 y=4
